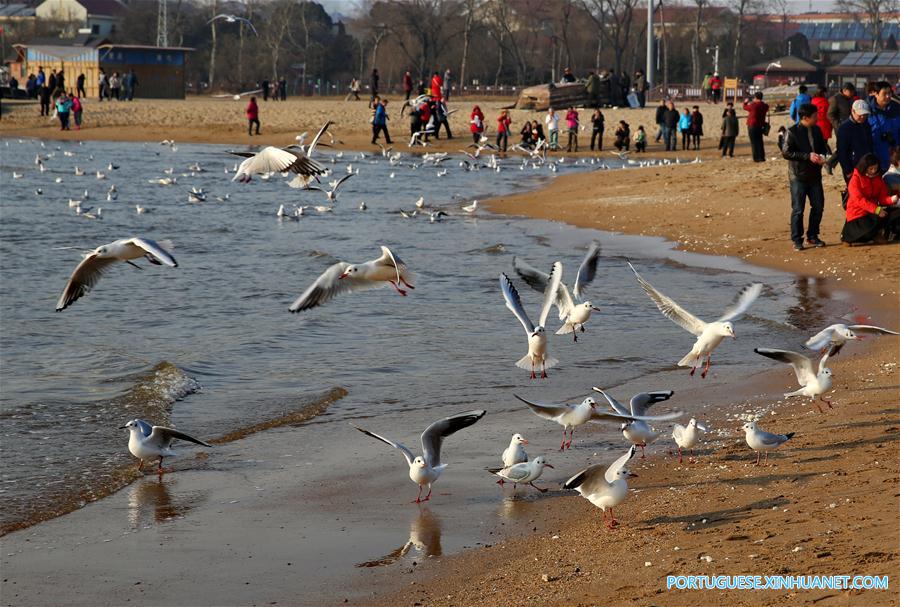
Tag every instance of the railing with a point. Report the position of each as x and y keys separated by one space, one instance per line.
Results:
x=317 y=89
x=689 y=92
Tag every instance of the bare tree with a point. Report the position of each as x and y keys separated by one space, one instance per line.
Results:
x=740 y=9
x=874 y=11
x=782 y=7
x=471 y=6
x=695 y=42
x=276 y=30
x=214 y=5
x=614 y=19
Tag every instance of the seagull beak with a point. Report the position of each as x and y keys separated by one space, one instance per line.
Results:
x=595 y=308
x=549 y=466
x=524 y=442
x=344 y=275
x=123 y=427
x=632 y=475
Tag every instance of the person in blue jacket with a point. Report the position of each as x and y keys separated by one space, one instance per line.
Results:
x=884 y=119
x=802 y=98
x=684 y=126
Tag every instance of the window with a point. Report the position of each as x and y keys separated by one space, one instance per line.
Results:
x=95 y=29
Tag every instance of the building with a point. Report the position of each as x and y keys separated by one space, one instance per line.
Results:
x=784 y=70
x=860 y=68
x=16 y=13
x=160 y=70
x=100 y=17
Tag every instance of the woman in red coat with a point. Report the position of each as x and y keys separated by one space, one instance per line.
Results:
x=437 y=85
x=476 y=124
x=820 y=100
x=252 y=116
x=870 y=207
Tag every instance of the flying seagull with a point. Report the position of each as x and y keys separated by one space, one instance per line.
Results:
x=638 y=431
x=291 y=159
x=537 y=339
x=835 y=336
x=814 y=381
x=234 y=19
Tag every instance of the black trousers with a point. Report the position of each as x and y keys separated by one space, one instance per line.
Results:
x=502 y=140
x=81 y=92
x=380 y=128
x=728 y=146
x=250 y=123
x=597 y=135
x=685 y=140
x=800 y=192
x=756 y=143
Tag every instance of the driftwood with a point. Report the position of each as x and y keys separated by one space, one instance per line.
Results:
x=544 y=96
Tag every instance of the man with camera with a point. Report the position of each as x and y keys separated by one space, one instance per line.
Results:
x=805 y=148
x=884 y=118
x=757 y=125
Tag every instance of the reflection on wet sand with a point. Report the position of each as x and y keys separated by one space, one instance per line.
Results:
x=424 y=536
x=150 y=498
x=810 y=310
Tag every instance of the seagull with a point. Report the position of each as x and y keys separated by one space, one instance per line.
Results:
x=425 y=469
x=331 y=194
x=638 y=431
x=196 y=197
x=420 y=203
x=141 y=210
x=537 y=339
x=437 y=216
x=605 y=489
x=514 y=454
x=760 y=440
x=343 y=277
x=280 y=160
x=98 y=261
x=525 y=472
x=687 y=436
x=572 y=416
x=813 y=382
x=471 y=208
x=709 y=335
x=835 y=336
x=363 y=206
x=234 y=19
x=573 y=316
x=146 y=441
x=79 y=172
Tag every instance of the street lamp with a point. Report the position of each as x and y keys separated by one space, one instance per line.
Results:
x=715 y=57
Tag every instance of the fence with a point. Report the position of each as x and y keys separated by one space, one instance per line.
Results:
x=317 y=88
x=689 y=92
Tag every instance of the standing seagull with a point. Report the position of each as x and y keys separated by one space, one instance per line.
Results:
x=835 y=336
x=514 y=453
x=686 y=437
x=148 y=441
x=524 y=472
x=814 y=382
x=760 y=440
x=709 y=335
x=573 y=316
x=98 y=261
x=605 y=489
x=426 y=469
x=537 y=339
x=343 y=277
x=638 y=431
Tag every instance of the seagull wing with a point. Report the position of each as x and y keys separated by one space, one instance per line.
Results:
x=587 y=271
x=341 y=180
x=389 y=259
x=770 y=439
x=435 y=434
x=403 y=449
x=746 y=297
x=820 y=339
x=268 y=160
x=163 y=437
x=146 y=427
x=315 y=140
x=871 y=330
x=83 y=279
x=155 y=250
x=329 y=285
x=616 y=405
x=587 y=480
x=831 y=352
x=643 y=401
x=515 y=473
x=552 y=292
x=617 y=465
x=250 y=25
x=670 y=309
x=550 y=412
x=515 y=304
x=598 y=416
x=803 y=365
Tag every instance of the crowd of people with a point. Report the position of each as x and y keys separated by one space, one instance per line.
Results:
x=275 y=90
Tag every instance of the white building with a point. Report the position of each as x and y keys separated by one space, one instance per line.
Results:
x=99 y=16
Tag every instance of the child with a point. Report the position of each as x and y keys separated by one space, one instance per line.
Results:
x=503 y=122
x=684 y=126
x=252 y=116
x=76 y=110
x=782 y=133
x=867 y=212
x=476 y=124
x=63 y=106
x=623 y=136
x=572 y=125
x=640 y=140
x=729 y=133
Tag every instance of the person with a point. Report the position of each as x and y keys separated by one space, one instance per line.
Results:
x=839 y=106
x=527 y=136
x=728 y=106
x=373 y=83
x=77 y=109
x=103 y=85
x=623 y=136
x=264 y=85
x=503 y=122
x=696 y=126
x=79 y=86
x=884 y=119
x=132 y=80
x=407 y=84
x=40 y=80
x=802 y=98
x=707 y=88
x=684 y=127
x=757 y=121
x=640 y=88
x=592 y=88
x=568 y=76
x=640 y=140
x=51 y=84
x=715 y=85
x=854 y=139
x=282 y=88
x=45 y=95
x=379 y=121
x=60 y=83
x=552 y=122
x=670 y=126
x=892 y=177
x=420 y=88
x=440 y=118
x=445 y=89
x=615 y=89
x=660 y=119
x=820 y=100
x=115 y=85
x=625 y=86
x=782 y=135
x=572 y=126
x=597 y=123
x=31 y=86
x=730 y=127
x=63 y=107
x=437 y=85
x=805 y=149
x=871 y=209
x=252 y=116
x=476 y=124
x=537 y=132
x=426 y=118
x=354 y=90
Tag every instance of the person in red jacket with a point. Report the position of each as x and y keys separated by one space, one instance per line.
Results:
x=757 y=113
x=820 y=100
x=407 y=84
x=476 y=124
x=252 y=116
x=437 y=85
x=867 y=205
x=503 y=122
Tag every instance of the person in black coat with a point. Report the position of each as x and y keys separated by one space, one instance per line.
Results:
x=660 y=119
x=854 y=138
x=805 y=148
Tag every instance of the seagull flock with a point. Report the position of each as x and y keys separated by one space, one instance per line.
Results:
x=604 y=486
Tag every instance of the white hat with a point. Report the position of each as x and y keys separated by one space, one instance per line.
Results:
x=860 y=107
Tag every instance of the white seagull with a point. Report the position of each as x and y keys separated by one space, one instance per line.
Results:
x=146 y=441
x=331 y=194
x=813 y=381
x=471 y=208
x=709 y=335
x=344 y=277
x=686 y=437
x=537 y=338
x=234 y=19
x=524 y=472
x=606 y=489
x=835 y=336
x=425 y=469
x=281 y=160
x=98 y=261
x=639 y=432
x=514 y=453
x=574 y=316
x=760 y=440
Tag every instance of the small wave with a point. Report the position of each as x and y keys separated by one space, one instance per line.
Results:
x=496 y=249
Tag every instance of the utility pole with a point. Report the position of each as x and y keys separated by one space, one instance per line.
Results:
x=649 y=70
x=162 y=28
x=715 y=57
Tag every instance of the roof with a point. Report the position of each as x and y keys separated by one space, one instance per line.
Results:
x=16 y=10
x=788 y=63
x=146 y=47
x=112 y=8
x=679 y=14
x=847 y=31
x=869 y=62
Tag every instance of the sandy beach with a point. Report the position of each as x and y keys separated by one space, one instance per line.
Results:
x=826 y=504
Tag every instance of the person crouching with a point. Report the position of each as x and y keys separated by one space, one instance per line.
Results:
x=872 y=212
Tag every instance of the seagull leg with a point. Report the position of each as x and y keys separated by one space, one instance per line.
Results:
x=406 y=284
x=159 y=469
x=642 y=451
x=538 y=488
x=399 y=290
x=428 y=497
x=693 y=369
x=562 y=445
x=818 y=406
x=757 y=459
x=680 y=458
x=501 y=482
x=418 y=496
x=574 y=335
x=571 y=435
x=706 y=370
x=131 y=263
x=611 y=524
x=767 y=459
x=543 y=369
x=827 y=402
x=141 y=465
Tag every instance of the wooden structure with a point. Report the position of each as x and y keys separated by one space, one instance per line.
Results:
x=860 y=68
x=543 y=96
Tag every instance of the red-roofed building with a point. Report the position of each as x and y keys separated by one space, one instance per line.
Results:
x=100 y=17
